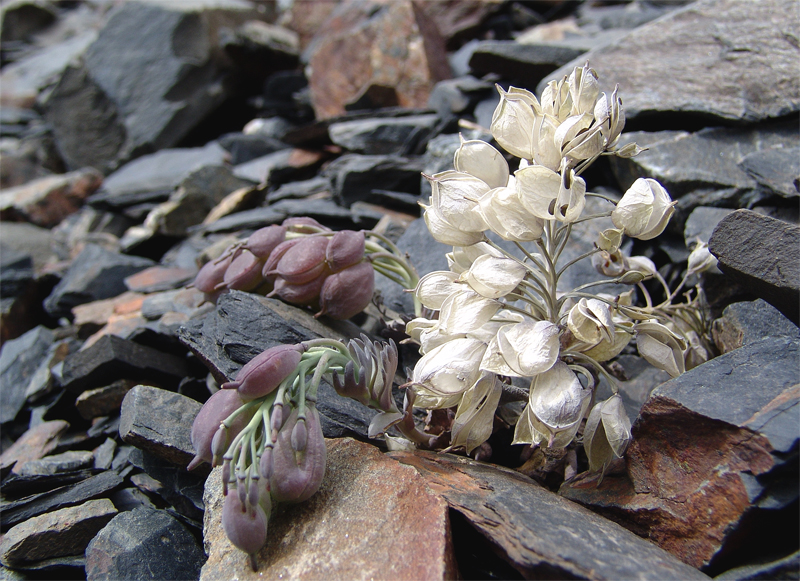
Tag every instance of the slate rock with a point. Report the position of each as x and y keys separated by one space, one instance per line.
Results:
x=143 y=544
x=19 y=360
x=112 y=358
x=709 y=459
x=456 y=20
x=159 y=278
x=457 y=96
x=95 y=274
x=16 y=486
x=64 y=462
x=103 y=455
x=746 y=322
x=776 y=170
x=674 y=66
x=245 y=220
x=127 y=499
x=153 y=177
x=258 y=48
x=326 y=211
x=762 y=255
x=16 y=271
x=47 y=201
x=60 y=533
x=365 y=498
x=354 y=176
x=35 y=443
x=701 y=223
x=786 y=568
x=258 y=170
x=19 y=19
x=181 y=489
x=160 y=422
x=66 y=496
x=522 y=64
x=245 y=147
x=392 y=49
x=117 y=105
x=540 y=534
x=380 y=136
x=300 y=189
x=29 y=240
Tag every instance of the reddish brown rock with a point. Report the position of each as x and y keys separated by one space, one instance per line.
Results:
x=456 y=18
x=387 y=53
x=159 y=278
x=372 y=519
x=90 y=317
x=48 y=200
x=709 y=449
x=34 y=444
x=307 y=18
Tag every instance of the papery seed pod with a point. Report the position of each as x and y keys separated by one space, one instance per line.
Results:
x=345 y=248
x=268 y=271
x=302 y=295
x=265 y=372
x=609 y=263
x=263 y=241
x=206 y=424
x=348 y=292
x=304 y=261
x=304 y=225
x=244 y=273
x=247 y=530
x=296 y=476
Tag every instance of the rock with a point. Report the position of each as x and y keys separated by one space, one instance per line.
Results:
x=35 y=443
x=112 y=358
x=181 y=489
x=455 y=19
x=681 y=69
x=16 y=486
x=331 y=214
x=66 y=496
x=776 y=170
x=245 y=220
x=143 y=544
x=159 y=278
x=306 y=19
x=457 y=96
x=19 y=360
x=127 y=499
x=155 y=176
x=104 y=454
x=117 y=105
x=762 y=255
x=709 y=458
x=19 y=19
x=29 y=240
x=701 y=223
x=522 y=64
x=89 y=317
x=61 y=533
x=17 y=271
x=300 y=189
x=47 y=201
x=393 y=47
x=95 y=274
x=244 y=147
x=258 y=170
x=379 y=136
x=64 y=462
x=784 y=568
x=365 y=498
x=746 y=322
x=88 y=226
x=160 y=422
x=539 y=533
x=259 y=49
x=354 y=176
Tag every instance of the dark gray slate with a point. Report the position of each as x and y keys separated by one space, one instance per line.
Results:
x=258 y=170
x=786 y=568
x=457 y=96
x=354 y=176
x=19 y=360
x=16 y=271
x=143 y=544
x=762 y=255
x=300 y=189
x=20 y=20
x=64 y=462
x=30 y=506
x=379 y=136
x=745 y=71
x=542 y=535
x=701 y=223
x=95 y=274
x=245 y=220
x=181 y=489
x=746 y=322
x=775 y=170
x=438 y=157
x=246 y=147
x=111 y=358
x=523 y=64
x=160 y=422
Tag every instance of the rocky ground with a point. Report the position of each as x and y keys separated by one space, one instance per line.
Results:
x=135 y=135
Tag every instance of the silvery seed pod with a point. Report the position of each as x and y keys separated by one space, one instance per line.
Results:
x=265 y=372
x=296 y=476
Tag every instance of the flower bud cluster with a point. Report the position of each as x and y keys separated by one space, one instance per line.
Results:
x=305 y=264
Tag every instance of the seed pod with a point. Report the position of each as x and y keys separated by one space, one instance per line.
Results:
x=299 y=435
x=275 y=256
x=265 y=464
x=207 y=422
x=296 y=476
x=348 y=292
x=304 y=225
x=304 y=261
x=211 y=276
x=299 y=294
x=247 y=530
x=345 y=248
x=263 y=241
x=265 y=372
x=244 y=273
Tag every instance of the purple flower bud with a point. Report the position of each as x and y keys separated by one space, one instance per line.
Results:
x=207 y=422
x=345 y=248
x=299 y=435
x=348 y=292
x=226 y=476
x=241 y=491
x=265 y=372
x=253 y=492
x=304 y=225
x=265 y=465
x=296 y=476
x=244 y=273
x=304 y=261
x=219 y=443
x=247 y=530
x=276 y=420
x=263 y=241
x=299 y=294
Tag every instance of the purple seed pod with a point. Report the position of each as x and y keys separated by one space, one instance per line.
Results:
x=206 y=424
x=348 y=292
x=304 y=225
x=247 y=530
x=226 y=476
x=304 y=261
x=345 y=248
x=275 y=256
x=254 y=492
x=212 y=274
x=265 y=372
x=276 y=420
x=265 y=464
x=244 y=273
x=302 y=295
x=241 y=491
x=219 y=443
x=299 y=435
x=296 y=476
x=263 y=241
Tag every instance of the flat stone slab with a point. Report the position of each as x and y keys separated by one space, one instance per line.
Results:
x=372 y=518
x=541 y=534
